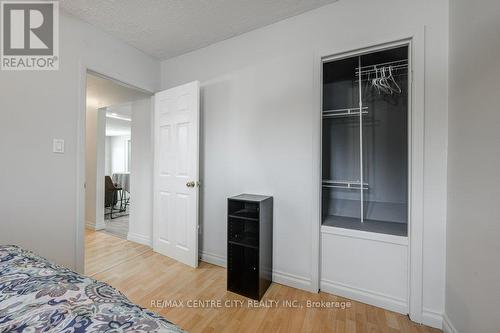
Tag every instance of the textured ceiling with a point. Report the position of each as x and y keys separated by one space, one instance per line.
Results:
x=167 y=28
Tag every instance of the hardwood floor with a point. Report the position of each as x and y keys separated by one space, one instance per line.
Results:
x=103 y=251
x=196 y=299
x=118 y=226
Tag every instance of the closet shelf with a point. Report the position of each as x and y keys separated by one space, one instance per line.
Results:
x=244 y=244
x=348 y=112
x=372 y=69
x=245 y=214
x=346 y=184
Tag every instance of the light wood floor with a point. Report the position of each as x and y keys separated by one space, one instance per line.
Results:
x=103 y=251
x=151 y=280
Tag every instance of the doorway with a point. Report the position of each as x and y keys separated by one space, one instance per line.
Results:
x=118 y=154
x=117 y=205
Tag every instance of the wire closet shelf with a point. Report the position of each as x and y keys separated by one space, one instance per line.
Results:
x=397 y=66
x=344 y=184
x=336 y=113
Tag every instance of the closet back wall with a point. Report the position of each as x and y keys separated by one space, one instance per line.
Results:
x=260 y=125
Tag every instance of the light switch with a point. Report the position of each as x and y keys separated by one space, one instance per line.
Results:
x=58 y=146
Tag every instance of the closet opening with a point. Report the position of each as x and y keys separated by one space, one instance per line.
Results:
x=365 y=152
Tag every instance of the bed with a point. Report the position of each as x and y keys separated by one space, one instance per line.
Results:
x=39 y=296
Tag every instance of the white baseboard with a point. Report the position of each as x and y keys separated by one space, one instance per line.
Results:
x=95 y=226
x=365 y=296
x=141 y=239
x=292 y=280
x=213 y=259
x=432 y=318
x=287 y=279
x=448 y=326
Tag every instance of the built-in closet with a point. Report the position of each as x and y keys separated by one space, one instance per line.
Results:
x=365 y=142
x=364 y=180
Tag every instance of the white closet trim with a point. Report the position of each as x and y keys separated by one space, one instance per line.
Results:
x=416 y=42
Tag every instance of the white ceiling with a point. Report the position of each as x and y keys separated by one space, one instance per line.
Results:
x=102 y=92
x=117 y=127
x=167 y=28
x=124 y=110
x=116 y=98
x=118 y=119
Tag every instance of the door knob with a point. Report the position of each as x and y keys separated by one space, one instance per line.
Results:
x=190 y=184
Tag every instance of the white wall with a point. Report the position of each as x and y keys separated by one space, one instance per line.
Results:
x=90 y=164
x=473 y=228
x=94 y=175
x=259 y=128
x=36 y=107
x=141 y=179
x=107 y=160
x=118 y=146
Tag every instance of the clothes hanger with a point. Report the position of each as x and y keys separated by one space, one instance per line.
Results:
x=383 y=82
x=375 y=80
x=394 y=83
x=368 y=80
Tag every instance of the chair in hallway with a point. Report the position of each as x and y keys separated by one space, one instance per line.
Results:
x=111 y=196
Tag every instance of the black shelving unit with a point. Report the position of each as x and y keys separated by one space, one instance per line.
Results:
x=249 y=244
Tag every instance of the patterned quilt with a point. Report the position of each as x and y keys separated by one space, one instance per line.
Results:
x=39 y=296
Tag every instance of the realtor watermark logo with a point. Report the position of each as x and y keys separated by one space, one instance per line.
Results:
x=29 y=35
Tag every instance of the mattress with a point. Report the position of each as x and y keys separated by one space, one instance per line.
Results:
x=39 y=296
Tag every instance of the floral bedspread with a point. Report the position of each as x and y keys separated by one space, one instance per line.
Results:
x=39 y=296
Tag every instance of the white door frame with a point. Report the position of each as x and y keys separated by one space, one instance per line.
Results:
x=95 y=69
x=416 y=43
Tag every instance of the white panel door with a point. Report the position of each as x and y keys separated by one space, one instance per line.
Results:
x=176 y=147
